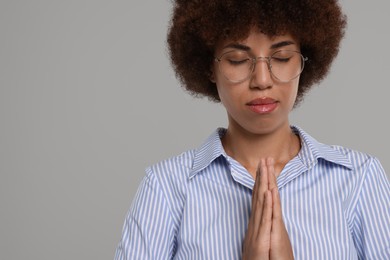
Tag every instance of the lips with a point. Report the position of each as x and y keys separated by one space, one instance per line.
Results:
x=263 y=105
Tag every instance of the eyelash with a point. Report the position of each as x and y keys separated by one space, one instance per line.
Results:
x=238 y=62
x=281 y=59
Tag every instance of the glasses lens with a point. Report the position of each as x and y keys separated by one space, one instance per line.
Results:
x=236 y=66
x=286 y=65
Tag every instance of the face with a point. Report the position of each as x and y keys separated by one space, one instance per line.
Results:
x=260 y=103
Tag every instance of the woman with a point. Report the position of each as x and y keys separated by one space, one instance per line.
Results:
x=260 y=189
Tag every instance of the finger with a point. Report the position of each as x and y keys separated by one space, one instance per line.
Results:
x=256 y=185
x=254 y=221
x=257 y=198
x=279 y=235
x=264 y=235
x=263 y=185
x=271 y=173
x=255 y=213
x=263 y=178
x=277 y=217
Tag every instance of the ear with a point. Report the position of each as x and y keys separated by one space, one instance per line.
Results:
x=212 y=75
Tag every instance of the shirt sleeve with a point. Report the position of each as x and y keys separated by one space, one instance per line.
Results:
x=148 y=228
x=372 y=215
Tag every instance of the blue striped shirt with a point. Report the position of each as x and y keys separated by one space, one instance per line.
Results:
x=335 y=203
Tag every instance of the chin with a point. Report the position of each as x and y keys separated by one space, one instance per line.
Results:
x=264 y=128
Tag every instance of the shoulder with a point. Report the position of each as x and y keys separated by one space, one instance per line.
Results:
x=192 y=161
x=177 y=166
x=340 y=155
x=361 y=166
x=356 y=185
x=170 y=178
x=357 y=158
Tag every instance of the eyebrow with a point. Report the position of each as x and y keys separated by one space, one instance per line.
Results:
x=237 y=46
x=247 y=48
x=281 y=44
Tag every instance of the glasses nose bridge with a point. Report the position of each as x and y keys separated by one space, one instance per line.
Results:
x=266 y=59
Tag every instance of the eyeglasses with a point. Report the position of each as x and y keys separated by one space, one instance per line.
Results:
x=284 y=65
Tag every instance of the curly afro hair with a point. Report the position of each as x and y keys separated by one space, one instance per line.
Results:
x=198 y=25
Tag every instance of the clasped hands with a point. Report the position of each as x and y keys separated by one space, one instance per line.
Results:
x=266 y=237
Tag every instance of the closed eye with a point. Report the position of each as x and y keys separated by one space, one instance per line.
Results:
x=281 y=59
x=238 y=62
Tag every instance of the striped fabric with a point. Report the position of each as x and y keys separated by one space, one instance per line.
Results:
x=335 y=202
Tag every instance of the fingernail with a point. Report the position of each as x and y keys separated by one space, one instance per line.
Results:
x=270 y=161
x=261 y=163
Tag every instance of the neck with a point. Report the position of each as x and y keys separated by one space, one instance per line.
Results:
x=248 y=148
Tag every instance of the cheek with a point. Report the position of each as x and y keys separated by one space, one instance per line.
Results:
x=293 y=92
x=229 y=96
x=223 y=87
x=223 y=95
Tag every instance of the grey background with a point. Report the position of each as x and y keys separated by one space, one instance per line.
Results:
x=88 y=100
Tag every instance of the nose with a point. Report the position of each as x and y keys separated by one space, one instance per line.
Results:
x=261 y=77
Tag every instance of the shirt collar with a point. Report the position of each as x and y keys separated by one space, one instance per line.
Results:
x=210 y=150
x=311 y=151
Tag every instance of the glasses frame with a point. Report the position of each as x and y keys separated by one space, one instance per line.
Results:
x=254 y=62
